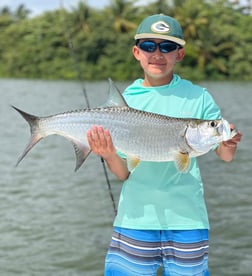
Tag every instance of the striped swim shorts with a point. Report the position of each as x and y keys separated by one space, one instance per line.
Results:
x=143 y=252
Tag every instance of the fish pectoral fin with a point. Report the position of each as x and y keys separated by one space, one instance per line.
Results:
x=182 y=161
x=81 y=152
x=132 y=162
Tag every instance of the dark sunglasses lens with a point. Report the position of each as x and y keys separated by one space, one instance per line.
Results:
x=151 y=46
x=148 y=46
x=166 y=47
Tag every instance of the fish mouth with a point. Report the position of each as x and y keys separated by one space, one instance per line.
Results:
x=224 y=130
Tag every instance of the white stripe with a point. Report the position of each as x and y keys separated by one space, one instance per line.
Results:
x=186 y=249
x=161 y=248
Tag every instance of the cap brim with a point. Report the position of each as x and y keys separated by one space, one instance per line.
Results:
x=159 y=36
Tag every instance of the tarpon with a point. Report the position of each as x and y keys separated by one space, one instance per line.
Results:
x=139 y=135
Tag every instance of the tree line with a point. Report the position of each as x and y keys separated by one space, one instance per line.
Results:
x=87 y=43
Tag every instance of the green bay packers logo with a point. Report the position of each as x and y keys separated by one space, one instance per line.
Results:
x=160 y=27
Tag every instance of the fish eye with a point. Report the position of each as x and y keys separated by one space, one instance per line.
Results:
x=213 y=123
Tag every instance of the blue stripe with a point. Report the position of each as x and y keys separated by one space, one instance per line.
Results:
x=140 y=252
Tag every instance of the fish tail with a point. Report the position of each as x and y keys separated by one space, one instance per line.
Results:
x=36 y=135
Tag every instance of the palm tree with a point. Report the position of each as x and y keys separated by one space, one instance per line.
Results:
x=5 y=11
x=80 y=16
x=194 y=18
x=159 y=6
x=6 y=17
x=123 y=12
x=21 y=12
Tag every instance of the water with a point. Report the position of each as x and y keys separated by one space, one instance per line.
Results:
x=58 y=222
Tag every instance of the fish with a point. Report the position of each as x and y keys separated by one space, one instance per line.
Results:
x=137 y=134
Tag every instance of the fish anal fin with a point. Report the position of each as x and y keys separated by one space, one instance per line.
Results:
x=132 y=162
x=81 y=152
x=182 y=161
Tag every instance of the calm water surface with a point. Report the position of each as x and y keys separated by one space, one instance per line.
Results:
x=58 y=222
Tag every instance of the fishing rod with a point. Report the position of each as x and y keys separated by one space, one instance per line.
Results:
x=78 y=70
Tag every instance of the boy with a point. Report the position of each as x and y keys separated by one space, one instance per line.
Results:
x=162 y=218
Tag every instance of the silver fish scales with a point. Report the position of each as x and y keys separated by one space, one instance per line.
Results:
x=138 y=134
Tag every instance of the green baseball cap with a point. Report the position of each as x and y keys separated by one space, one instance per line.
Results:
x=162 y=27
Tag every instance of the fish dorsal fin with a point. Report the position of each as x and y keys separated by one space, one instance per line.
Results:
x=115 y=97
x=132 y=162
x=182 y=161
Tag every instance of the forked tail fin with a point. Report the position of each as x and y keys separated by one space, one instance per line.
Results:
x=35 y=132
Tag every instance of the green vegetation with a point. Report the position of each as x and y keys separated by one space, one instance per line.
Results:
x=94 y=44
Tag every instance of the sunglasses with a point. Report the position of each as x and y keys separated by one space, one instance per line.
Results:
x=164 y=47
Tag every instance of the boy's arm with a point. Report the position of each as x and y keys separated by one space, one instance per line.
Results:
x=226 y=150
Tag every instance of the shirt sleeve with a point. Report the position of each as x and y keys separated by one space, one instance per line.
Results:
x=210 y=109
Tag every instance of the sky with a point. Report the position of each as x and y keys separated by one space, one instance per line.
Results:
x=40 y=6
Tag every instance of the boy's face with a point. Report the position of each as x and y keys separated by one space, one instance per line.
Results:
x=158 y=65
